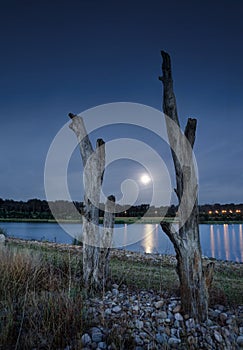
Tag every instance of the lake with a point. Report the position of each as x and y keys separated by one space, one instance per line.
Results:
x=224 y=242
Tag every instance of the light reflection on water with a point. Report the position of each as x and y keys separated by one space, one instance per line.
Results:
x=229 y=242
x=226 y=241
x=150 y=242
x=218 y=241
x=223 y=242
x=241 y=242
x=233 y=241
x=212 y=241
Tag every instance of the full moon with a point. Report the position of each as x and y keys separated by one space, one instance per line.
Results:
x=145 y=179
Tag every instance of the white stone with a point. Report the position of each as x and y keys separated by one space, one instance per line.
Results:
x=159 y=304
x=240 y=340
x=96 y=335
x=108 y=312
x=86 y=339
x=174 y=342
x=162 y=314
x=116 y=309
x=139 y=324
x=135 y=308
x=218 y=337
x=102 y=345
x=178 y=316
x=2 y=238
x=177 y=309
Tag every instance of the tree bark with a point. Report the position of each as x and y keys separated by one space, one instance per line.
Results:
x=107 y=238
x=194 y=282
x=94 y=165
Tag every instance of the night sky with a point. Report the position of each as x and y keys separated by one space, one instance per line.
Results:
x=68 y=56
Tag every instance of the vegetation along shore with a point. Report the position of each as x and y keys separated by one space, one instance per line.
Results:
x=39 y=211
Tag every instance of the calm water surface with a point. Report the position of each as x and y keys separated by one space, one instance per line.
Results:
x=218 y=241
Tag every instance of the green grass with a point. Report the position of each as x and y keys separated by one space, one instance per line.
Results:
x=39 y=220
x=226 y=288
x=144 y=275
x=123 y=220
x=118 y=220
x=220 y=222
x=42 y=302
x=227 y=284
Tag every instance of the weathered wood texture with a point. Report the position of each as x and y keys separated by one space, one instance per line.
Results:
x=94 y=165
x=186 y=241
x=107 y=238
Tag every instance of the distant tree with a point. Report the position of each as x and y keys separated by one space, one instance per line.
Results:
x=194 y=281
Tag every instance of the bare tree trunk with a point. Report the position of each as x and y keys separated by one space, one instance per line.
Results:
x=107 y=238
x=194 y=282
x=94 y=165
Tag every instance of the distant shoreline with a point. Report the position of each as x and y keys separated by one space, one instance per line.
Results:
x=121 y=220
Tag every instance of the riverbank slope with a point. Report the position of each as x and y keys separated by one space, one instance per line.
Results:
x=139 y=310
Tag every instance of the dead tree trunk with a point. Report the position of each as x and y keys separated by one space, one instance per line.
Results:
x=194 y=282
x=94 y=165
x=107 y=237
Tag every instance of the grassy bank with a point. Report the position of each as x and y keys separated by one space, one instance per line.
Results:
x=42 y=298
x=221 y=222
x=123 y=220
x=118 y=220
x=38 y=220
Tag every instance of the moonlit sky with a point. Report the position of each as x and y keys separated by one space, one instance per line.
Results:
x=68 y=56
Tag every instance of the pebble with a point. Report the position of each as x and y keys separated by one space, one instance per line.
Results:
x=223 y=316
x=138 y=340
x=220 y=307
x=190 y=323
x=139 y=324
x=116 y=309
x=135 y=308
x=174 y=342
x=2 y=238
x=115 y=291
x=239 y=340
x=162 y=338
x=178 y=317
x=218 y=337
x=177 y=309
x=108 y=312
x=159 y=304
x=162 y=314
x=96 y=335
x=85 y=339
x=102 y=345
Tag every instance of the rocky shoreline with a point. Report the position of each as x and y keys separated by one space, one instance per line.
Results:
x=146 y=320
x=119 y=253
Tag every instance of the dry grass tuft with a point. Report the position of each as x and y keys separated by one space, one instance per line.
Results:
x=40 y=299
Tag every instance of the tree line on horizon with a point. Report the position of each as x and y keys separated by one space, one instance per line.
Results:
x=39 y=209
